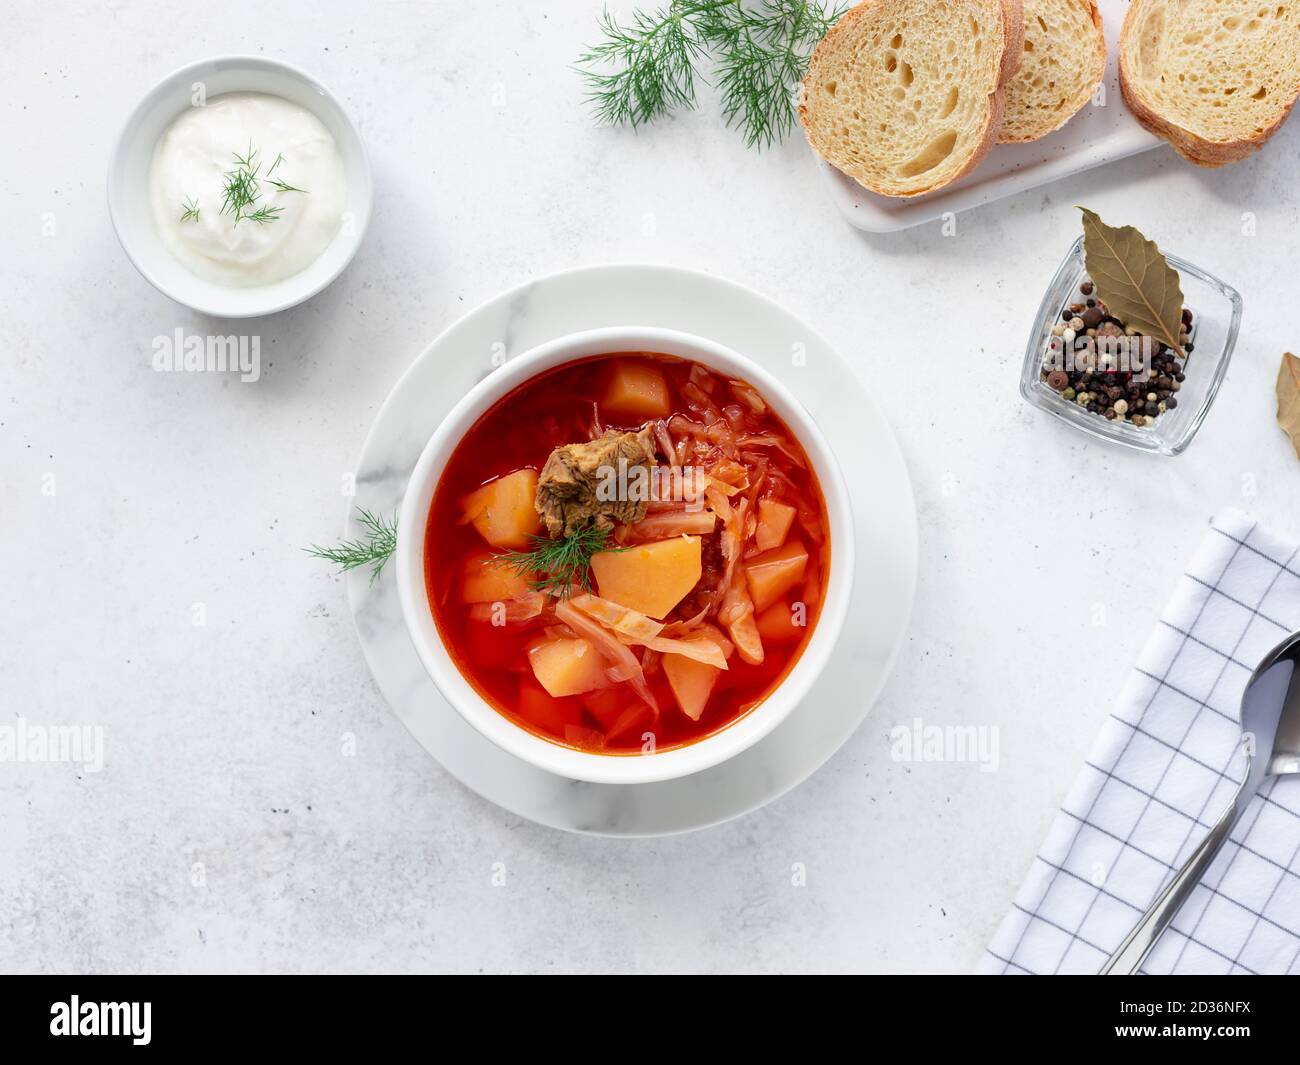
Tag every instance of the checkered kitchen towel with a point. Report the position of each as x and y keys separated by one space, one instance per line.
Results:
x=1160 y=774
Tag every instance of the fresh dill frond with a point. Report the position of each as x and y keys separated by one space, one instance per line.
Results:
x=762 y=54
x=279 y=158
x=651 y=64
x=557 y=565
x=248 y=161
x=374 y=548
x=242 y=188
x=191 y=210
x=646 y=67
x=264 y=214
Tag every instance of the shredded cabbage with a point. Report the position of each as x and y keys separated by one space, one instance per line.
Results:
x=603 y=640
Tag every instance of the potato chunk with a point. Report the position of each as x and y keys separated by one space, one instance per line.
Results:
x=692 y=683
x=567 y=667
x=485 y=579
x=503 y=512
x=545 y=711
x=774 y=573
x=649 y=578
x=774 y=521
x=637 y=388
x=607 y=705
x=780 y=624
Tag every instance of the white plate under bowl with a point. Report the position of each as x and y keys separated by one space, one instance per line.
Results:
x=1100 y=133
x=128 y=184
x=884 y=519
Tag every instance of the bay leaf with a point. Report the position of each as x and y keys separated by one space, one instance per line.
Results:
x=1134 y=279
x=1288 y=399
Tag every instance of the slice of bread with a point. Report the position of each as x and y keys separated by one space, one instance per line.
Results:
x=905 y=96
x=1065 y=59
x=1215 y=78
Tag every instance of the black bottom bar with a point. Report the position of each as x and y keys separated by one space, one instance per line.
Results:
x=336 y=1014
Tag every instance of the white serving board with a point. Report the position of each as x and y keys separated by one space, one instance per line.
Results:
x=1098 y=134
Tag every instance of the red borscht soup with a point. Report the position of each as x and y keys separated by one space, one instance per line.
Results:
x=627 y=553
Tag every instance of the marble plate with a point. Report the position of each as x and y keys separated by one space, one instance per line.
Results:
x=883 y=511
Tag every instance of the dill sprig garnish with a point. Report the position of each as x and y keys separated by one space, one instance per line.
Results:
x=646 y=67
x=191 y=210
x=372 y=549
x=264 y=214
x=242 y=188
x=557 y=565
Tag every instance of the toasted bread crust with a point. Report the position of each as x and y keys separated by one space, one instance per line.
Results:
x=1013 y=51
x=1189 y=145
x=1013 y=26
x=1098 y=68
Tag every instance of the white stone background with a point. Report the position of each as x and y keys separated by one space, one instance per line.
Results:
x=223 y=741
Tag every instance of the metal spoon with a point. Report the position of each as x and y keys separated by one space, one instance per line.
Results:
x=1270 y=725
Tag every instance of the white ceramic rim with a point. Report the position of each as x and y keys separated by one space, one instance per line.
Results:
x=552 y=757
x=171 y=277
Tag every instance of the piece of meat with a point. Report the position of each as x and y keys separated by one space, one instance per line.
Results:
x=703 y=598
x=569 y=493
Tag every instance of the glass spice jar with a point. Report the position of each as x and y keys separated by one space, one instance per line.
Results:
x=1216 y=319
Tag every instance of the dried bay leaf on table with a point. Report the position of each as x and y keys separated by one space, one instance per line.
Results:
x=1288 y=399
x=1134 y=279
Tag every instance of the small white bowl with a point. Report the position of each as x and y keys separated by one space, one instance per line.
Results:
x=553 y=757
x=128 y=184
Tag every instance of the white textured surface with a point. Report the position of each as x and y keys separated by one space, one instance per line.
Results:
x=224 y=741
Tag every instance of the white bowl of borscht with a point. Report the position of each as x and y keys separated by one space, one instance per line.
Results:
x=625 y=555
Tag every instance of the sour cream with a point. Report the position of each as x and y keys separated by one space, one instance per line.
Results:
x=192 y=168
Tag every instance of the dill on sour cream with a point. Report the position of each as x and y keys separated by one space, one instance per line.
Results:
x=247 y=189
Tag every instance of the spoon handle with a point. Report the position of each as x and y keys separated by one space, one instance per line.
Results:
x=1130 y=955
